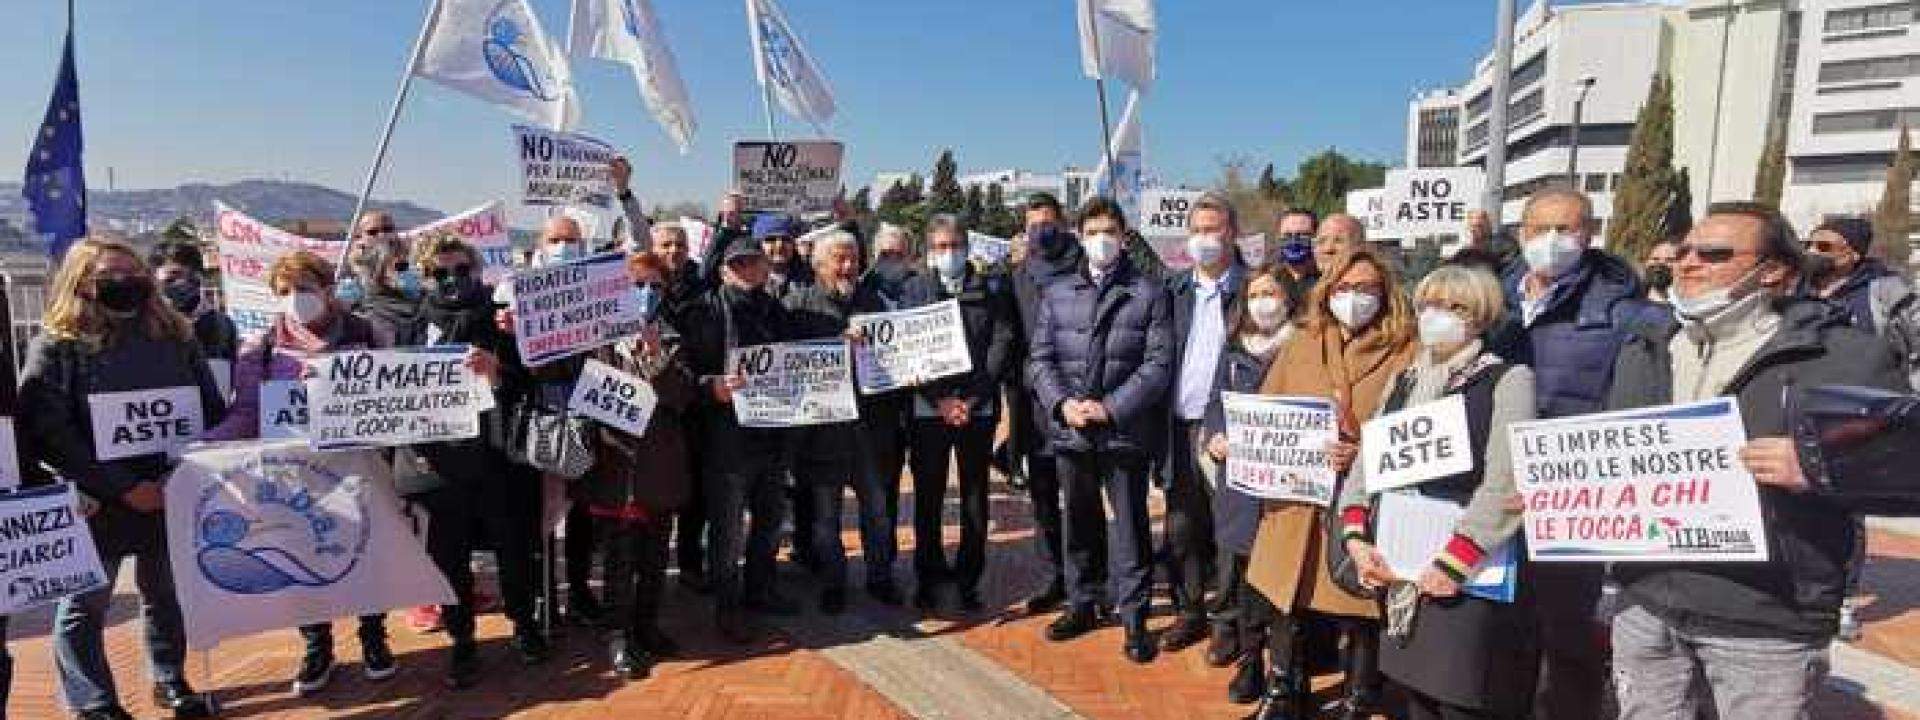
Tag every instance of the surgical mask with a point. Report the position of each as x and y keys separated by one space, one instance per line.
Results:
x=1442 y=328
x=566 y=252
x=1102 y=250
x=122 y=295
x=1267 y=313
x=183 y=294
x=305 y=307
x=350 y=290
x=1660 y=277
x=1205 y=249
x=1297 y=249
x=950 y=264
x=1553 y=253
x=1354 y=309
x=408 y=283
x=1711 y=303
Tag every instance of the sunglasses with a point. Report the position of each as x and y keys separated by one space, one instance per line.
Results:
x=1824 y=246
x=451 y=271
x=1709 y=254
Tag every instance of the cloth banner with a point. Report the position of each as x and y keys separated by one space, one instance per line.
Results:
x=46 y=550
x=495 y=50
x=248 y=248
x=794 y=384
x=484 y=228
x=567 y=309
x=1277 y=446
x=907 y=348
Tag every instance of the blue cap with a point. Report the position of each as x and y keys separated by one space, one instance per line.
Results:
x=775 y=225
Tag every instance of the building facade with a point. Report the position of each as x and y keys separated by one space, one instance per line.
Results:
x=1433 y=129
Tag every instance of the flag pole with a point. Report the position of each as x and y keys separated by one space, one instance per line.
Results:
x=393 y=118
x=1100 y=89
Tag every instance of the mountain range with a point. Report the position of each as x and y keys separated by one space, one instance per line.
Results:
x=269 y=200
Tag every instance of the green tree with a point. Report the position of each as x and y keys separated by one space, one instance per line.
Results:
x=182 y=228
x=976 y=207
x=1259 y=209
x=1680 y=215
x=944 y=194
x=895 y=202
x=1272 y=187
x=1000 y=221
x=863 y=199
x=1648 y=184
x=1893 y=221
x=1322 y=181
x=1770 y=178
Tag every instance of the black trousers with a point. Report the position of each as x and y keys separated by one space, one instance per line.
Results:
x=748 y=489
x=505 y=508
x=635 y=573
x=1128 y=539
x=372 y=627
x=933 y=441
x=1572 y=682
x=826 y=478
x=581 y=542
x=690 y=522
x=1189 y=522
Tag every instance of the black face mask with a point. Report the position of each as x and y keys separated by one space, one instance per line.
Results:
x=456 y=288
x=122 y=295
x=184 y=294
x=1660 y=277
x=1049 y=240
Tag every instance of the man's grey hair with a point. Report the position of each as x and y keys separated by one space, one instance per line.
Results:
x=946 y=223
x=824 y=243
x=1218 y=203
x=1561 y=191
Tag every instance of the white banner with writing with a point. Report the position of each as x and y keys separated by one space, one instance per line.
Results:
x=790 y=177
x=794 y=384
x=248 y=249
x=484 y=228
x=1277 y=446
x=607 y=394
x=563 y=168
x=907 y=348
x=144 y=422
x=46 y=551
x=1420 y=443
x=568 y=309
x=405 y=396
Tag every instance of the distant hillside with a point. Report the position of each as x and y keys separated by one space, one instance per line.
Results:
x=269 y=200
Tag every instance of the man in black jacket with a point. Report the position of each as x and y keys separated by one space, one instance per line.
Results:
x=1756 y=633
x=743 y=464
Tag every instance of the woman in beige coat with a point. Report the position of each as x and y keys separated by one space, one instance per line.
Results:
x=1356 y=335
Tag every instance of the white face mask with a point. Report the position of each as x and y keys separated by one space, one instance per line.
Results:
x=305 y=307
x=1102 y=250
x=558 y=253
x=1441 y=328
x=1713 y=302
x=1553 y=253
x=1267 y=312
x=1354 y=309
x=1253 y=251
x=949 y=263
x=1205 y=249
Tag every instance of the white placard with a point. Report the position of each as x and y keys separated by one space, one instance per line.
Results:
x=144 y=422
x=283 y=409
x=46 y=551
x=222 y=371
x=248 y=249
x=1277 y=446
x=1163 y=222
x=907 y=348
x=568 y=309
x=1369 y=206
x=483 y=228
x=364 y=398
x=1411 y=529
x=1661 y=484
x=790 y=177
x=699 y=237
x=607 y=394
x=986 y=250
x=1431 y=201
x=562 y=168
x=1420 y=443
x=794 y=384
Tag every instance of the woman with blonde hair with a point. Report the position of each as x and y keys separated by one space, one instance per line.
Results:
x=111 y=341
x=1356 y=335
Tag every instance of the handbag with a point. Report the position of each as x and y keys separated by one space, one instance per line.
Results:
x=556 y=443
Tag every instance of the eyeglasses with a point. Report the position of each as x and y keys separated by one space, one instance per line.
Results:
x=1714 y=254
x=400 y=266
x=442 y=273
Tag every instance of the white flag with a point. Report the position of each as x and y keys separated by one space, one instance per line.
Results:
x=1116 y=40
x=271 y=534
x=495 y=50
x=783 y=65
x=627 y=31
x=1122 y=181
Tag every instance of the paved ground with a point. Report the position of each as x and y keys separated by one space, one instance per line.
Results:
x=874 y=662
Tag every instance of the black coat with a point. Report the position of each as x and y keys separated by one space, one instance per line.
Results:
x=1236 y=515
x=724 y=320
x=467 y=462
x=1797 y=592
x=1183 y=290
x=1112 y=342
x=815 y=314
x=988 y=317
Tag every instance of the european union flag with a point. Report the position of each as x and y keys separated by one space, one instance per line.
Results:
x=56 y=184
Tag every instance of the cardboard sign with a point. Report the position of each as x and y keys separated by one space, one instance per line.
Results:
x=1417 y=444
x=367 y=398
x=484 y=228
x=606 y=394
x=794 y=384
x=248 y=249
x=986 y=250
x=907 y=348
x=789 y=177
x=1163 y=222
x=283 y=409
x=562 y=168
x=1431 y=201
x=1659 y=484
x=1410 y=529
x=1277 y=446
x=1370 y=208
x=565 y=310
x=46 y=551
x=144 y=422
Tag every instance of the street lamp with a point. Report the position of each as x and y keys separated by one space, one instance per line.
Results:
x=1581 y=88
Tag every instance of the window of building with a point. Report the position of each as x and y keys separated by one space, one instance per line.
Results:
x=1841 y=170
x=1526 y=108
x=1878 y=17
x=1865 y=120
x=1596 y=183
x=1869 y=69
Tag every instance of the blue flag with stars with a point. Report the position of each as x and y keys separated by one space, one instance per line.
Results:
x=56 y=184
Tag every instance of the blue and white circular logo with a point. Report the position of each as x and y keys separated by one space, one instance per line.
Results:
x=508 y=49
x=277 y=523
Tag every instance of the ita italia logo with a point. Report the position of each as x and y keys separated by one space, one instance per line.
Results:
x=280 y=523
x=508 y=50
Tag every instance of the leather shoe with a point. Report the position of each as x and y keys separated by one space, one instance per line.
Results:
x=1047 y=599
x=1140 y=647
x=1249 y=681
x=529 y=644
x=656 y=643
x=630 y=661
x=1185 y=632
x=970 y=600
x=1073 y=623
x=109 y=712
x=886 y=593
x=772 y=603
x=463 y=665
x=833 y=601
x=1225 y=646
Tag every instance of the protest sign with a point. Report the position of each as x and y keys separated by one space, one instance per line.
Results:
x=699 y=237
x=248 y=248
x=269 y=535
x=1410 y=530
x=46 y=551
x=794 y=384
x=222 y=371
x=790 y=177
x=1277 y=446
x=906 y=348
x=283 y=409
x=144 y=422
x=986 y=250
x=366 y=398
x=567 y=309
x=563 y=168
x=596 y=227
x=1163 y=223
x=1430 y=201
x=484 y=228
x=1370 y=208
x=606 y=394
x=1418 y=444
x=1658 y=484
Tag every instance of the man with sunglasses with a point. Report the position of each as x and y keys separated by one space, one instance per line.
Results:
x=1569 y=306
x=1875 y=296
x=1754 y=634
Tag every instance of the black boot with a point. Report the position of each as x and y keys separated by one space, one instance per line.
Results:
x=1286 y=697
x=630 y=659
x=1249 y=680
x=1362 y=686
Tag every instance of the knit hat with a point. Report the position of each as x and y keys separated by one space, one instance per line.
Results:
x=1857 y=232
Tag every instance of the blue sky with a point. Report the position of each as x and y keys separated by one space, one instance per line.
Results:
x=218 y=90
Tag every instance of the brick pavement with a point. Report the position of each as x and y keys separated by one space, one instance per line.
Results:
x=788 y=677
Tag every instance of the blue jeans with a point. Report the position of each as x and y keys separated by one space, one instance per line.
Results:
x=1127 y=540
x=825 y=481
x=1658 y=663
x=79 y=654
